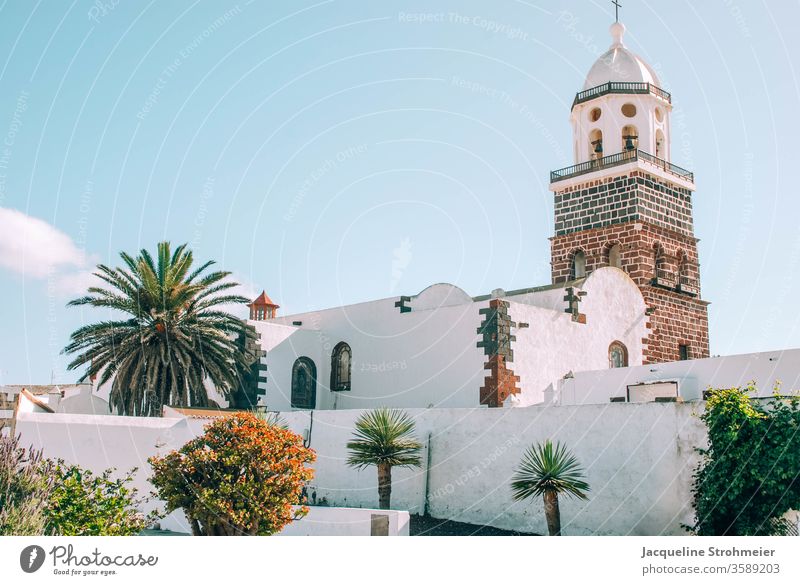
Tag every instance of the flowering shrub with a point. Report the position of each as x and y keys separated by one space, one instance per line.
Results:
x=241 y=477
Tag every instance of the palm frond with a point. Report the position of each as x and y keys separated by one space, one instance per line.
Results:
x=176 y=333
x=384 y=436
x=548 y=468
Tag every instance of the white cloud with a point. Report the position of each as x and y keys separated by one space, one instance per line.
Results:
x=36 y=249
x=33 y=248
x=76 y=283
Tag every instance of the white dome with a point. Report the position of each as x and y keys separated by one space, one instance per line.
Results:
x=619 y=64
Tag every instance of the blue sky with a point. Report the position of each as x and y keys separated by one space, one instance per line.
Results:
x=338 y=151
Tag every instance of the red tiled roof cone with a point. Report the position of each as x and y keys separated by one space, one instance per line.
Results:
x=262 y=308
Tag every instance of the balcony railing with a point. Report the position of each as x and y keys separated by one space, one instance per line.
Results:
x=621 y=87
x=617 y=159
x=664 y=278
x=689 y=285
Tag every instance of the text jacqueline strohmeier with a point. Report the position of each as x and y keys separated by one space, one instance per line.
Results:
x=711 y=551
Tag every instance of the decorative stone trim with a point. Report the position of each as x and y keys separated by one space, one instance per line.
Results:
x=496 y=340
x=573 y=300
x=402 y=304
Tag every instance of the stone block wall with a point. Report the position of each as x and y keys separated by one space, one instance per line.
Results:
x=652 y=224
x=623 y=198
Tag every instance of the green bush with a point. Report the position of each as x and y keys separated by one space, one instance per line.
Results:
x=750 y=474
x=84 y=504
x=26 y=482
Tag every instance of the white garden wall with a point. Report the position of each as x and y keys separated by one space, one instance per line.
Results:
x=322 y=521
x=639 y=460
x=768 y=370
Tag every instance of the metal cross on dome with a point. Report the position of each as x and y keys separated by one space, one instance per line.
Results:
x=617 y=6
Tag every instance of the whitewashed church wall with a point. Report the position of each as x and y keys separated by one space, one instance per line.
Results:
x=430 y=357
x=639 y=460
x=554 y=344
x=82 y=400
x=766 y=369
x=547 y=299
x=283 y=346
x=411 y=359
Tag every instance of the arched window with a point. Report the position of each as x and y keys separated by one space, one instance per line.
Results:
x=578 y=265
x=617 y=355
x=658 y=261
x=304 y=383
x=630 y=138
x=687 y=280
x=661 y=145
x=595 y=144
x=614 y=257
x=341 y=366
x=683 y=264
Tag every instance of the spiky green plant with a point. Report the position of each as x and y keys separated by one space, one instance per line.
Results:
x=384 y=438
x=272 y=418
x=173 y=336
x=547 y=470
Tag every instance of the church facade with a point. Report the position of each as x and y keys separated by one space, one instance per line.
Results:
x=625 y=287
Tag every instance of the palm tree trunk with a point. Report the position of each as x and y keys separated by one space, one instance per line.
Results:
x=552 y=513
x=384 y=485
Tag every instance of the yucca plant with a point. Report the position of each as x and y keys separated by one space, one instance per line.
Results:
x=547 y=470
x=173 y=334
x=272 y=418
x=384 y=438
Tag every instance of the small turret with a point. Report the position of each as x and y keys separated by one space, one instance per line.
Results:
x=262 y=308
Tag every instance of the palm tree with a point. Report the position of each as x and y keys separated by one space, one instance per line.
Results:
x=548 y=471
x=173 y=334
x=384 y=438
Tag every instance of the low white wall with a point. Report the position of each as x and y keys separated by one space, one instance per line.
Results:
x=766 y=369
x=321 y=521
x=99 y=442
x=639 y=460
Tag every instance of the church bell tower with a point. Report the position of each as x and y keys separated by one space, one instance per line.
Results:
x=624 y=204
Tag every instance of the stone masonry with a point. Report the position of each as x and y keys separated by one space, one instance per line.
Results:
x=622 y=199
x=496 y=339
x=651 y=222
